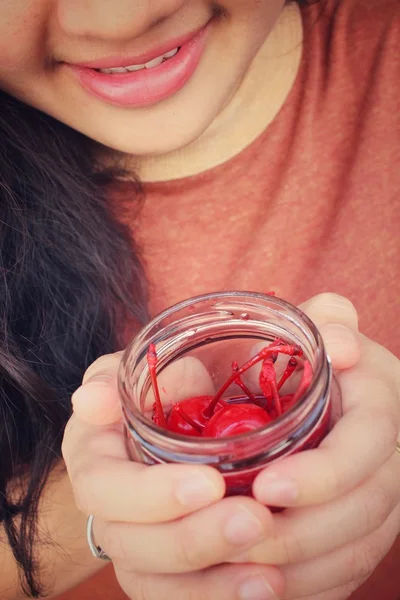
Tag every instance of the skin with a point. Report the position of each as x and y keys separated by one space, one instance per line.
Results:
x=301 y=553
x=37 y=37
x=317 y=560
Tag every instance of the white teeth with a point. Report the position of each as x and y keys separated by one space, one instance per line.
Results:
x=154 y=63
x=149 y=65
x=171 y=53
x=114 y=70
x=135 y=67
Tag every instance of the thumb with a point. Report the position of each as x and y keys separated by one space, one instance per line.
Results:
x=97 y=401
x=337 y=320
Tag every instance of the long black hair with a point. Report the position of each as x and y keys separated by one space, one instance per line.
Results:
x=68 y=271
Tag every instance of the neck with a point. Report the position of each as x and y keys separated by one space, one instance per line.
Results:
x=254 y=106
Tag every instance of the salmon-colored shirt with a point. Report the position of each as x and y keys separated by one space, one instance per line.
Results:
x=312 y=205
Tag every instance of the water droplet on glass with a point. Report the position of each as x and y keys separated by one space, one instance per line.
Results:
x=245 y=316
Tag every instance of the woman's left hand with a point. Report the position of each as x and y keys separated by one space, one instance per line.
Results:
x=344 y=496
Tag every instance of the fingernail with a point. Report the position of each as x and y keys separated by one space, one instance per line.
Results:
x=196 y=491
x=256 y=588
x=243 y=527
x=275 y=491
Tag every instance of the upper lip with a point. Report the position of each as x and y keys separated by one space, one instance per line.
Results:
x=139 y=59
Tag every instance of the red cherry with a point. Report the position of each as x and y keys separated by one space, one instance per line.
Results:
x=194 y=409
x=211 y=416
x=236 y=419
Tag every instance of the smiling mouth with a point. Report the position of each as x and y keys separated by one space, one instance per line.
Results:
x=146 y=79
x=155 y=62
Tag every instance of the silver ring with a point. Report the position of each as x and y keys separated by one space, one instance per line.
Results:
x=97 y=551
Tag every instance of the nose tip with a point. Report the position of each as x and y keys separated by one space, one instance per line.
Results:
x=117 y=20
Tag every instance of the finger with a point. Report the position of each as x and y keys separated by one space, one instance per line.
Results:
x=184 y=378
x=302 y=534
x=222 y=583
x=327 y=308
x=97 y=401
x=110 y=486
x=341 y=344
x=350 y=563
x=337 y=320
x=342 y=592
x=358 y=445
x=203 y=539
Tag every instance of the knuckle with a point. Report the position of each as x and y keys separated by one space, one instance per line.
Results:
x=141 y=588
x=377 y=507
x=291 y=549
x=349 y=588
x=388 y=429
x=148 y=587
x=354 y=585
x=183 y=591
x=91 y=494
x=334 y=480
x=386 y=389
x=95 y=445
x=365 y=558
x=190 y=552
x=112 y=543
x=82 y=489
x=192 y=594
x=383 y=422
x=366 y=564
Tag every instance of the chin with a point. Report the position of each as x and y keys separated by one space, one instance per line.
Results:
x=155 y=142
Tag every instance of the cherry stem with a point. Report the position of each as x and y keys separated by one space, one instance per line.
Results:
x=189 y=420
x=290 y=368
x=305 y=382
x=275 y=395
x=241 y=384
x=268 y=383
x=152 y=361
x=269 y=351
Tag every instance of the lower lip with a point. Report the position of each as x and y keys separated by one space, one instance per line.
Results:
x=148 y=86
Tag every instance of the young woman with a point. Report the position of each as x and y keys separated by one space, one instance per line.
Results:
x=158 y=149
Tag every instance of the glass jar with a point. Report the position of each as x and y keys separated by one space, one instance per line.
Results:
x=209 y=332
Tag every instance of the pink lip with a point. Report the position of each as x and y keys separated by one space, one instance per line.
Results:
x=147 y=86
x=140 y=59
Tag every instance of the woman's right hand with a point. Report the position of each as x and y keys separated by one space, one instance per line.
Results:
x=167 y=528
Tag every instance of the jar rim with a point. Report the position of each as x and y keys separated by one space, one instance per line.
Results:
x=188 y=442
